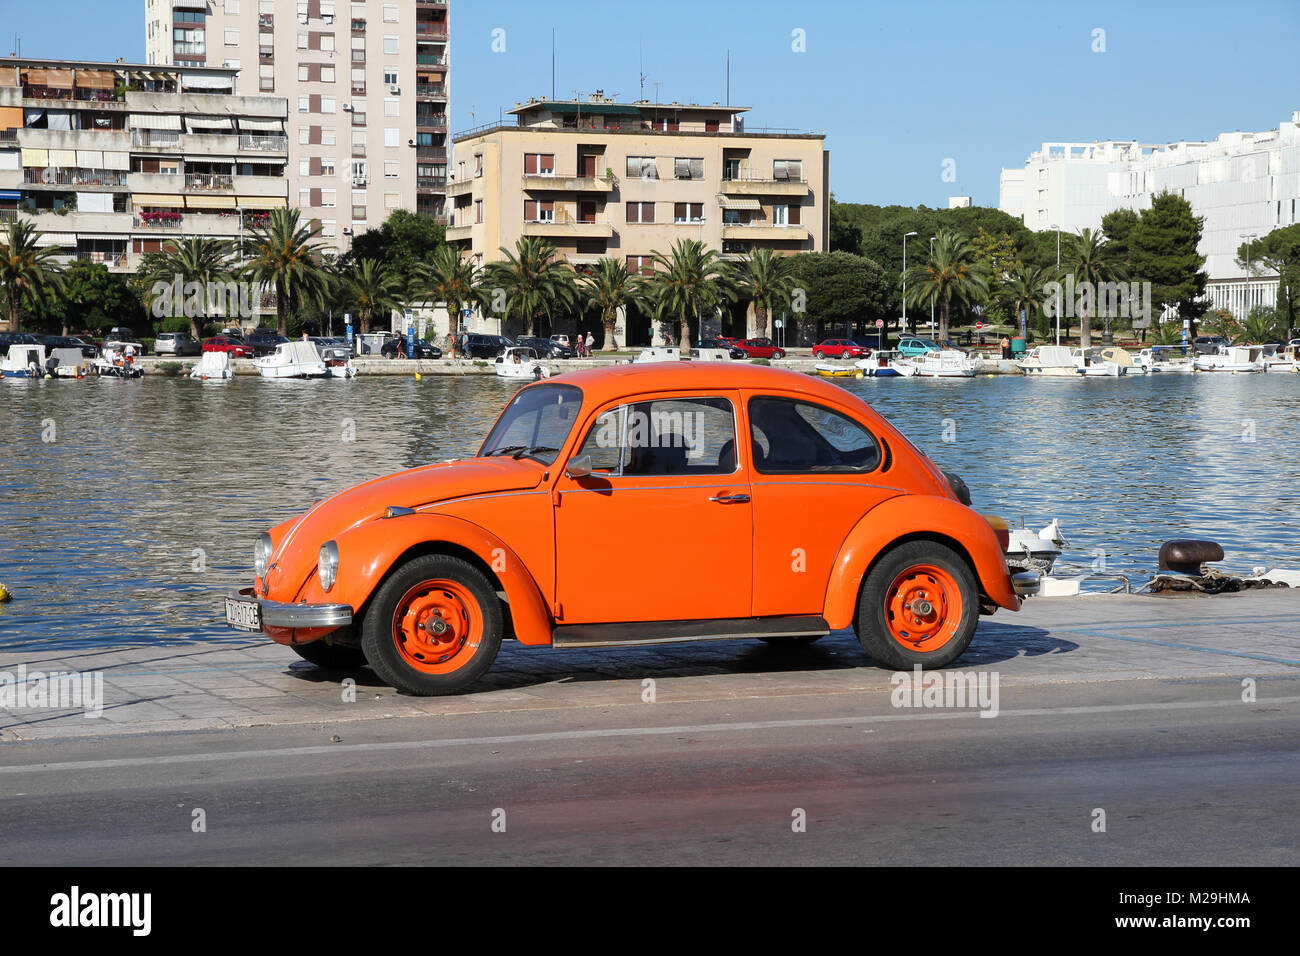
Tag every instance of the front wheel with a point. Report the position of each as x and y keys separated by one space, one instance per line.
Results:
x=817 y=355
x=434 y=626
x=778 y=354
x=332 y=657
x=919 y=605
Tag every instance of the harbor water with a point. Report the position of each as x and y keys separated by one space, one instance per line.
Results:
x=127 y=509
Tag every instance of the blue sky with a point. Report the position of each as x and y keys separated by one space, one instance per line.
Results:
x=898 y=88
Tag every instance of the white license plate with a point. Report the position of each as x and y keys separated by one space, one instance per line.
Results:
x=245 y=615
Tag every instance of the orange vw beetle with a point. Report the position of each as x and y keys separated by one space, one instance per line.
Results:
x=639 y=504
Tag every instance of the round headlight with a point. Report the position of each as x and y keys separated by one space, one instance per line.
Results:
x=327 y=565
x=262 y=554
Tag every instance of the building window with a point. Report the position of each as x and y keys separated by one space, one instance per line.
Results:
x=478 y=164
x=791 y=169
x=327 y=135
x=329 y=228
x=304 y=198
x=304 y=166
x=478 y=210
x=327 y=43
x=392 y=169
x=327 y=165
x=688 y=168
x=392 y=106
x=641 y=265
x=390 y=13
x=780 y=215
x=304 y=104
x=327 y=104
x=329 y=198
x=538 y=164
x=642 y=167
x=391 y=137
x=232 y=8
x=392 y=200
x=538 y=211
x=232 y=37
x=390 y=75
x=390 y=45
x=358 y=211
x=688 y=212
x=640 y=212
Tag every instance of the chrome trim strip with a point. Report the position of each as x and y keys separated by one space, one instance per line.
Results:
x=279 y=614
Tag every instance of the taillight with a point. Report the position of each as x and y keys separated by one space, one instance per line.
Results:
x=1000 y=529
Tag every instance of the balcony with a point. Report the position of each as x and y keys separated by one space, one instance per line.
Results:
x=155 y=139
x=431 y=59
x=459 y=187
x=431 y=91
x=431 y=182
x=430 y=30
x=358 y=25
x=168 y=184
x=459 y=232
x=769 y=186
x=431 y=120
x=570 y=228
x=431 y=152
x=249 y=143
x=266 y=21
x=209 y=182
x=764 y=230
x=541 y=182
x=81 y=178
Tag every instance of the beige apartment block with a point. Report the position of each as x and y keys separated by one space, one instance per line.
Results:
x=598 y=178
x=110 y=160
x=367 y=83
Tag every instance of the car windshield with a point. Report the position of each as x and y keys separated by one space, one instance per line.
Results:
x=535 y=424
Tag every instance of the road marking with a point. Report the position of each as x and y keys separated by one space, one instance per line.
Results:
x=281 y=753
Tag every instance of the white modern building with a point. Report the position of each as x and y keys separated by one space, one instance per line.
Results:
x=1244 y=184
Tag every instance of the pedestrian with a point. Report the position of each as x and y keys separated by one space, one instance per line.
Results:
x=130 y=356
x=1006 y=347
x=591 y=341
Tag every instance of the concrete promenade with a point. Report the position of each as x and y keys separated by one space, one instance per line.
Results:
x=246 y=681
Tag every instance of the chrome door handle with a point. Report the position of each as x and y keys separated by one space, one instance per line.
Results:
x=730 y=499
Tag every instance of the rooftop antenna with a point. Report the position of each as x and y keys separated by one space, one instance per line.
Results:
x=552 y=64
x=18 y=45
x=640 y=46
x=657 y=84
x=727 y=101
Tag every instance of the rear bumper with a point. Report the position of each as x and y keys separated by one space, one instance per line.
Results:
x=300 y=616
x=1026 y=583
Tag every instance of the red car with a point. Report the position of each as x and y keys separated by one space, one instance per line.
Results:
x=759 y=348
x=228 y=343
x=838 y=348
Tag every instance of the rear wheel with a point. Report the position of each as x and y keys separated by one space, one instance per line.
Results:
x=778 y=354
x=919 y=605
x=335 y=657
x=817 y=354
x=434 y=626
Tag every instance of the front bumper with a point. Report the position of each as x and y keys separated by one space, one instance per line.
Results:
x=300 y=616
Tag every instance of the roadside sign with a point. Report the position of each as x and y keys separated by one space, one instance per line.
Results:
x=779 y=323
x=410 y=334
x=880 y=323
x=347 y=322
x=978 y=326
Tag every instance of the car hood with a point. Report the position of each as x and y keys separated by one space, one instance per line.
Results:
x=297 y=542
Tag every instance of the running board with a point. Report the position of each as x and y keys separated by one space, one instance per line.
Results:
x=670 y=632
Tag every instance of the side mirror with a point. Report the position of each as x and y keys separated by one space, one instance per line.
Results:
x=579 y=467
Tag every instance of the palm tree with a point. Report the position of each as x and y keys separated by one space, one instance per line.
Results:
x=374 y=288
x=534 y=283
x=206 y=261
x=765 y=278
x=952 y=274
x=1023 y=292
x=28 y=272
x=1089 y=260
x=1262 y=325
x=448 y=278
x=1167 y=333
x=285 y=256
x=610 y=287
x=690 y=281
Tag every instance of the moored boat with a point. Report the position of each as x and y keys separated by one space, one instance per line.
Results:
x=1233 y=358
x=520 y=361
x=944 y=363
x=826 y=370
x=292 y=360
x=213 y=367
x=1089 y=362
x=1048 y=361
x=1165 y=359
x=23 y=361
x=880 y=364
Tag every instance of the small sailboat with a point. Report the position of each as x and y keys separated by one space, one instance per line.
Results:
x=292 y=360
x=213 y=367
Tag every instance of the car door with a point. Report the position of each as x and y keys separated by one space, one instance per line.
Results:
x=661 y=528
x=815 y=471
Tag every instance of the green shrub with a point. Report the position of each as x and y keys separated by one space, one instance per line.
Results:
x=170 y=369
x=759 y=362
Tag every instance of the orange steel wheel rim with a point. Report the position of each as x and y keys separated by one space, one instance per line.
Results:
x=437 y=626
x=923 y=608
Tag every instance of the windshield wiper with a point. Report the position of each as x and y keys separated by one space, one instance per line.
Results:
x=533 y=450
x=506 y=450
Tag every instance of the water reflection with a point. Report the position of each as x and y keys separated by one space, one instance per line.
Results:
x=128 y=508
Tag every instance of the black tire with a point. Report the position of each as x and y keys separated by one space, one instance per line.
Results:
x=332 y=657
x=873 y=623
x=379 y=638
x=817 y=354
x=779 y=354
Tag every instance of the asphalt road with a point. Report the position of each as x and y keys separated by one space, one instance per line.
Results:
x=1185 y=772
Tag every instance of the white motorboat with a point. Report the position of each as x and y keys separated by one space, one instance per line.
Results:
x=662 y=353
x=520 y=362
x=67 y=363
x=213 y=367
x=1278 y=358
x=944 y=363
x=115 y=365
x=880 y=364
x=1233 y=358
x=1090 y=362
x=1164 y=359
x=292 y=360
x=1048 y=360
x=23 y=361
x=1034 y=550
x=339 y=367
x=711 y=355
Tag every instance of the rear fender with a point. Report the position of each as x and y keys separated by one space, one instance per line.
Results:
x=369 y=551
x=916 y=516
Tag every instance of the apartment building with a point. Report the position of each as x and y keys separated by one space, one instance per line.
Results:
x=110 y=160
x=1244 y=184
x=367 y=82
x=598 y=178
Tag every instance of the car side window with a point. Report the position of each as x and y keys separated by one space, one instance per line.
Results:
x=792 y=437
x=678 y=436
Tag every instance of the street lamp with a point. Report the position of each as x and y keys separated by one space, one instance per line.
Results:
x=1248 y=237
x=905 y=235
x=1058 y=281
x=932 y=294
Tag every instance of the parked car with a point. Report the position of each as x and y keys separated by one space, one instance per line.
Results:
x=546 y=348
x=264 y=341
x=88 y=348
x=1209 y=344
x=423 y=349
x=176 y=343
x=418 y=573
x=479 y=346
x=119 y=337
x=237 y=347
x=563 y=340
x=838 y=348
x=913 y=346
x=15 y=338
x=723 y=343
x=332 y=348
x=760 y=348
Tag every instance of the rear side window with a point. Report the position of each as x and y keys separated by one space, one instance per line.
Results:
x=681 y=436
x=791 y=437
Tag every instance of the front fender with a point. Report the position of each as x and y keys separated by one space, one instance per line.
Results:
x=908 y=516
x=369 y=551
